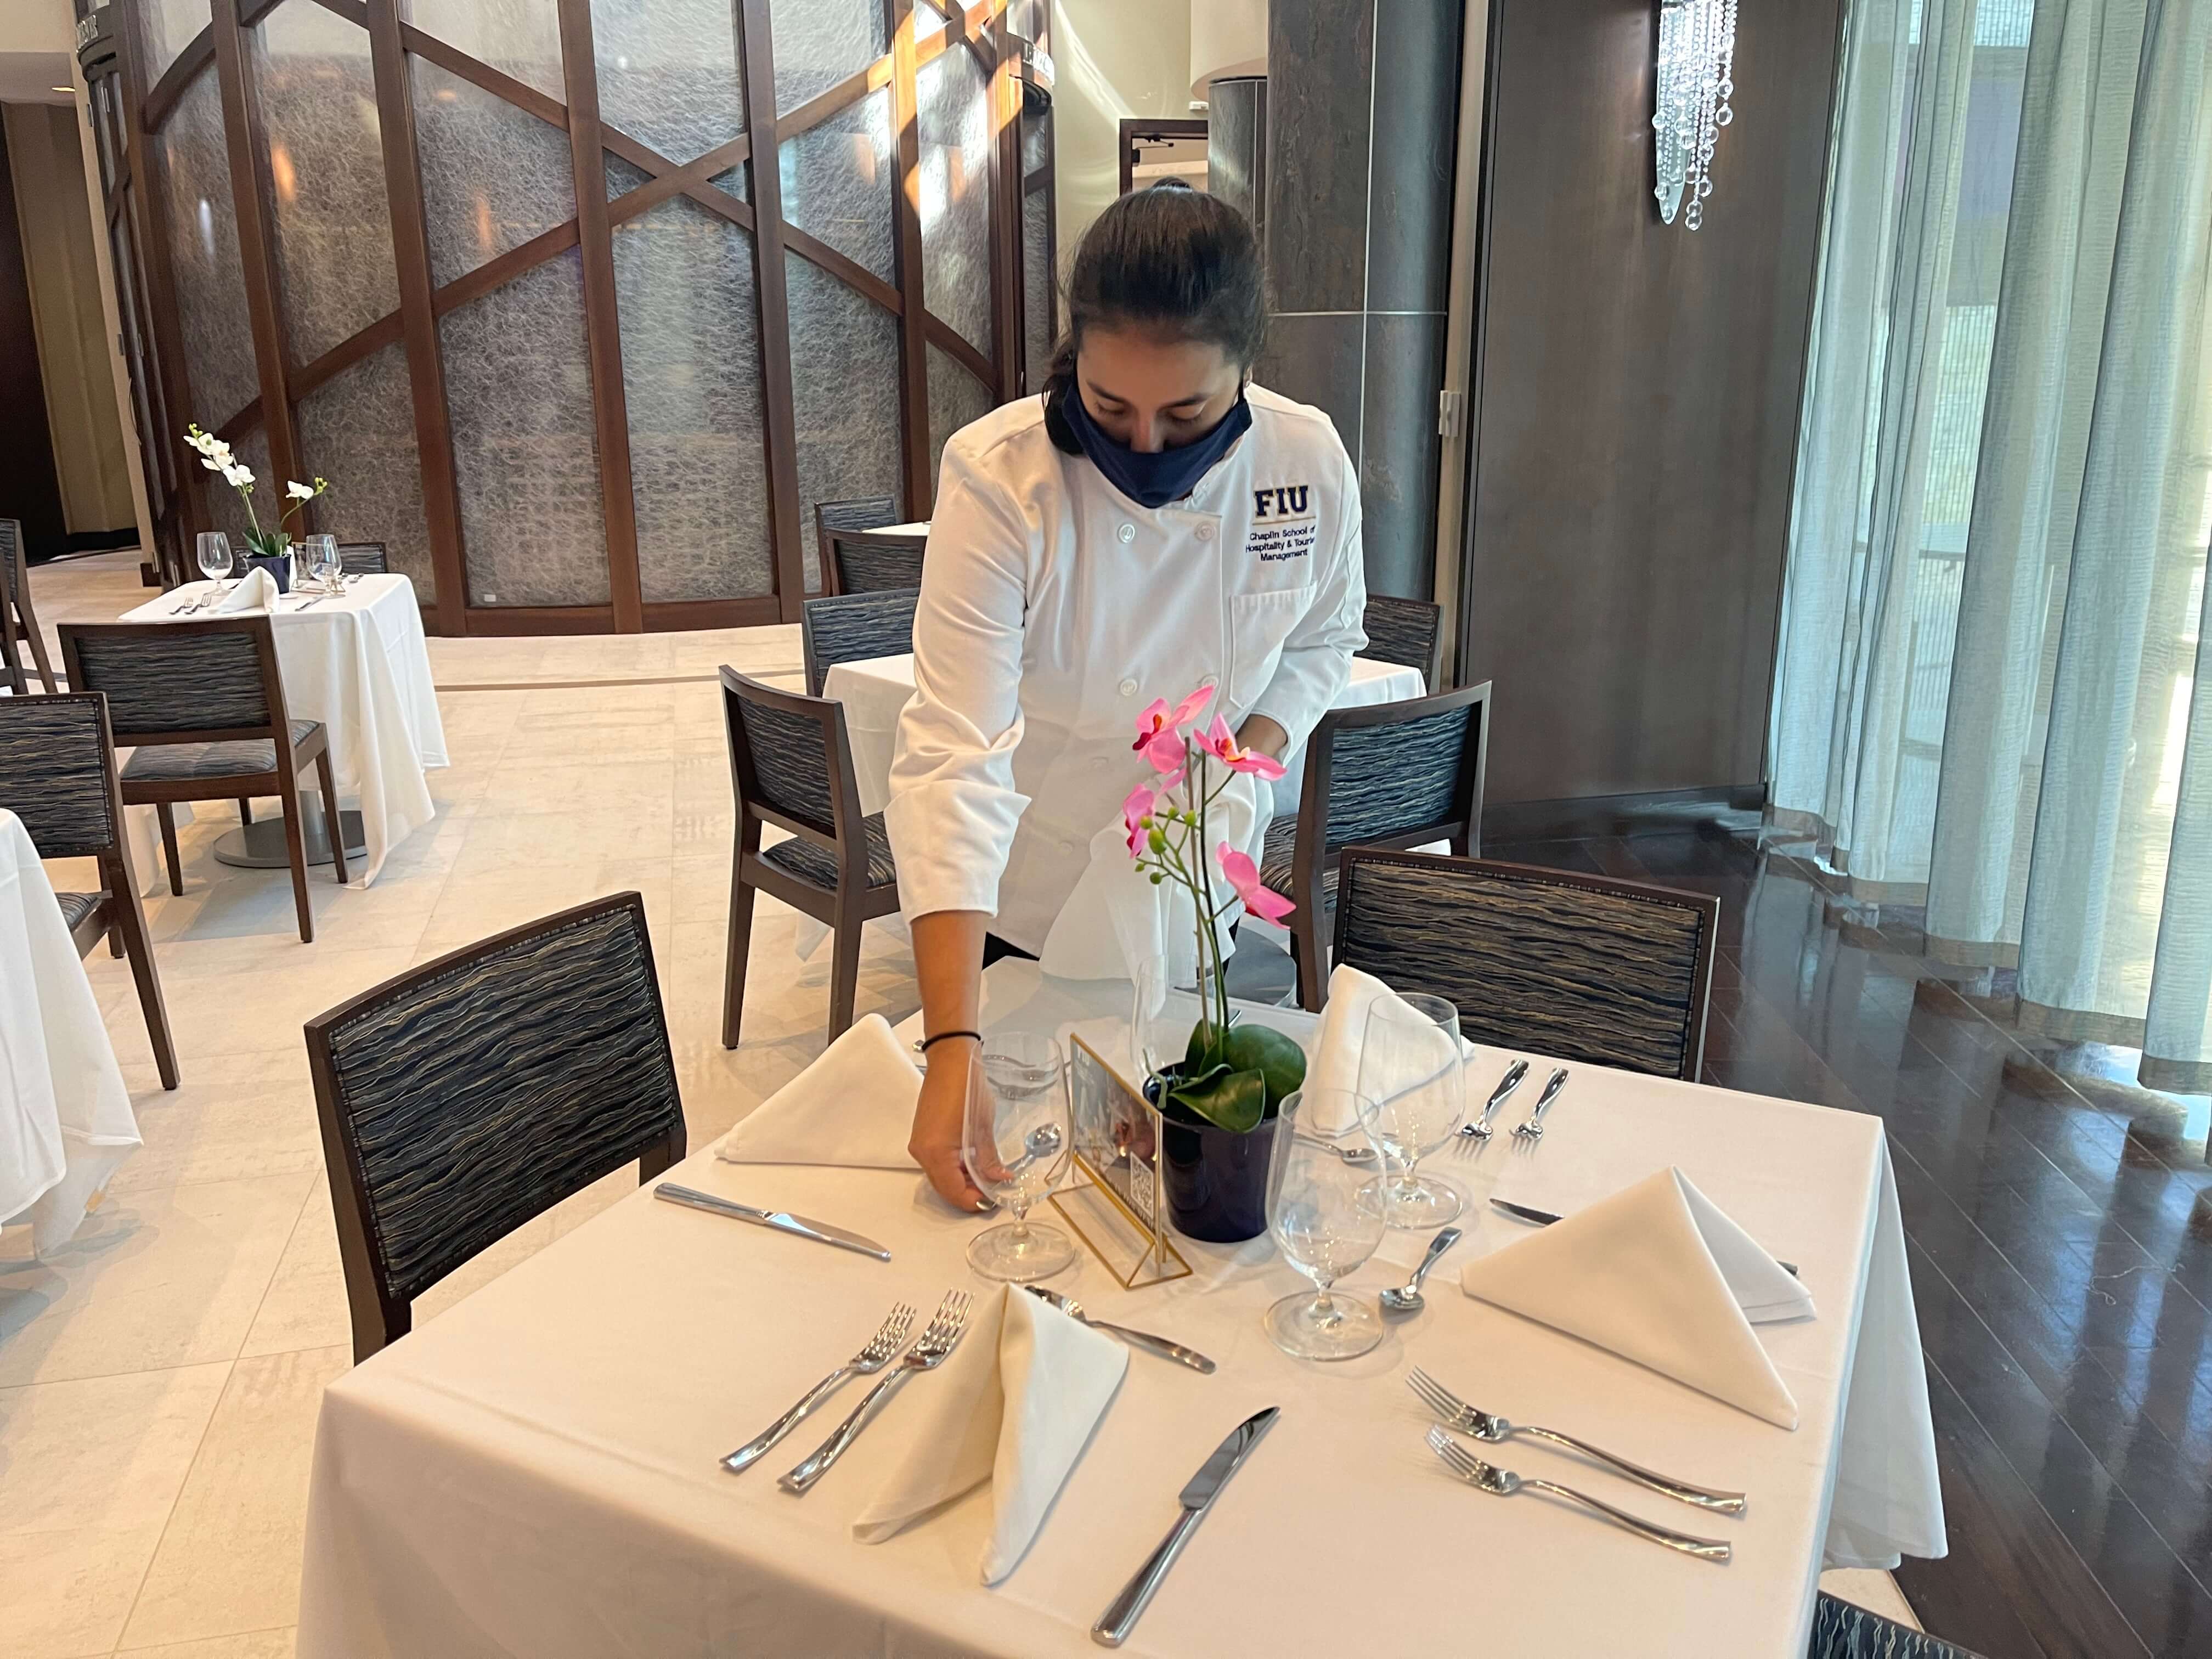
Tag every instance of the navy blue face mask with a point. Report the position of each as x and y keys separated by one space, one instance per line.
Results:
x=1164 y=476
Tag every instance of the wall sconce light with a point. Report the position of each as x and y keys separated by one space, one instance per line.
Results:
x=1696 y=82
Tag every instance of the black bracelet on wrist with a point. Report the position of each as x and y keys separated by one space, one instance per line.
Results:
x=941 y=1036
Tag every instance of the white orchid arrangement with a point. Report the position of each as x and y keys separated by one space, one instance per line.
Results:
x=216 y=456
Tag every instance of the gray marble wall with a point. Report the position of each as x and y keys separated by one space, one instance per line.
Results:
x=1361 y=115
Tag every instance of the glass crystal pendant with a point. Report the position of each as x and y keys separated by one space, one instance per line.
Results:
x=1691 y=102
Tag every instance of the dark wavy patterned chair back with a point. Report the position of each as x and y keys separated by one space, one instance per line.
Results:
x=783 y=751
x=363 y=559
x=875 y=564
x=175 y=677
x=58 y=773
x=858 y=512
x=1400 y=775
x=853 y=627
x=14 y=569
x=468 y=1095
x=1843 y=1631
x=1408 y=632
x=1582 y=968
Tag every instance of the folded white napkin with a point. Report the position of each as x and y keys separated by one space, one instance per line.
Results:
x=1342 y=1036
x=255 y=590
x=1015 y=1405
x=1658 y=1275
x=852 y=1107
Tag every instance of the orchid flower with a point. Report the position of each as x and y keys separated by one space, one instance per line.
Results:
x=1134 y=810
x=1243 y=875
x=238 y=477
x=1160 y=721
x=1220 y=743
x=299 y=492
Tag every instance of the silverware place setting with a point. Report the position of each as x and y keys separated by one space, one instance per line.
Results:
x=1144 y=1339
x=1503 y=1483
x=1472 y=1135
x=1547 y=1218
x=1477 y=1423
x=878 y=1353
x=1528 y=1133
x=929 y=1350
x=1407 y=1298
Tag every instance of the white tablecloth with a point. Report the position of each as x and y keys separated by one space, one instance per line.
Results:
x=534 y=1472
x=359 y=665
x=65 y=1118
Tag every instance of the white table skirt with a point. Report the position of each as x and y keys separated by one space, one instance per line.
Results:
x=65 y=1118
x=535 y=1470
x=359 y=665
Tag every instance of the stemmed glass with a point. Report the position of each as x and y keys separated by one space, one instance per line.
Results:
x=323 y=562
x=214 y=558
x=1413 y=1069
x=1319 y=1220
x=1017 y=1136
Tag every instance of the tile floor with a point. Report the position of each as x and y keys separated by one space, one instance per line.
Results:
x=159 y=1375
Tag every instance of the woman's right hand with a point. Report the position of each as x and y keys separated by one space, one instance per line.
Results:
x=939 y=1121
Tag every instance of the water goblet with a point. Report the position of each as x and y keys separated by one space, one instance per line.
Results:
x=1321 y=1225
x=1412 y=1068
x=322 y=552
x=1017 y=1139
x=215 y=559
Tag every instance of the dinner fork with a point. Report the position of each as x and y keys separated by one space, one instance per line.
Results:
x=1472 y=1135
x=1483 y=1425
x=870 y=1359
x=1503 y=1483
x=937 y=1340
x=1530 y=1132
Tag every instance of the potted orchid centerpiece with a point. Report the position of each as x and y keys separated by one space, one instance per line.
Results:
x=1219 y=1102
x=272 y=548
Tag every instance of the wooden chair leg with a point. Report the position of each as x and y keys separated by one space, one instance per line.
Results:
x=244 y=810
x=127 y=927
x=167 y=814
x=1313 y=960
x=844 y=973
x=36 y=640
x=739 y=947
x=115 y=942
x=331 y=821
x=296 y=845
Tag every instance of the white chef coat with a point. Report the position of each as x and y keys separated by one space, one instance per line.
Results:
x=1053 y=609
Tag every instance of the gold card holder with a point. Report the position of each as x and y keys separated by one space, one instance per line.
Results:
x=1114 y=1203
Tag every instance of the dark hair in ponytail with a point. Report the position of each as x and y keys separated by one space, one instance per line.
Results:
x=1172 y=260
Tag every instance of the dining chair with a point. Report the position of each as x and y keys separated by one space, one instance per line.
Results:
x=1407 y=632
x=18 y=620
x=1389 y=775
x=791 y=765
x=1841 y=1630
x=203 y=704
x=853 y=628
x=57 y=776
x=470 y=1094
x=872 y=561
x=855 y=512
x=1581 y=968
x=363 y=559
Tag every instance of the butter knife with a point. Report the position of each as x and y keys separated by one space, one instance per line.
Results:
x=1121 y=1617
x=1545 y=1219
x=781 y=1221
x=1145 y=1339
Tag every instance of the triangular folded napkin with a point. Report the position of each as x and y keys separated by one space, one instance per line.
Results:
x=1656 y=1274
x=852 y=1107
x=1341 y=1040
x=1015 y=1405
x=255 y=590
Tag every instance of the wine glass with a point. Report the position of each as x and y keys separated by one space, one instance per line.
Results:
x=1324 y=1228
x=215 y=556
x=1413 y=1069
x=1016 y=1142
x=323 y=562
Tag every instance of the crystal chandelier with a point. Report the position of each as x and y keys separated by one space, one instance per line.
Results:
x=1697 y=79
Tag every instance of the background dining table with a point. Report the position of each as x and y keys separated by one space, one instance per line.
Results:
x=536 y=1470
x=357 y=662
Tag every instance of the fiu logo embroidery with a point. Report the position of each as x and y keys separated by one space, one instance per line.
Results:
x=1288 y=501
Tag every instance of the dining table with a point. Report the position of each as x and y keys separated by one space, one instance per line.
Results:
x=358 y=662
x=537 y=1470
x=65 y=1119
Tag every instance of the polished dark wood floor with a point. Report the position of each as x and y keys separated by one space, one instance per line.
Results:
x=2059 y=1221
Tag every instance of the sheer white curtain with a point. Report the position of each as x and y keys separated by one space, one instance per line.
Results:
x=1995 y=622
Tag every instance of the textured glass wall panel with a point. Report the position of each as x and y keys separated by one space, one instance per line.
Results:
x=169 y=26
x=622 y=178
x=211 y=284
x=668 y=72
x=956 y=398
x=518 y=380
x=684 y=281
x=837 y=181
x=845 y=396
x=357 y=429
x=225 y=512
x=956 y=193
x=736 y=182
x=819 y=42
x=327 y=162
x=521 y=37
x=492 y=177
x=1036 y=285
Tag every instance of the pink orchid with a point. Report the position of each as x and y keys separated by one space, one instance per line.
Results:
x=1134 y=810
x=1218 y=742
x=1166 y=752
x=1159 y=721
x=1244 y=875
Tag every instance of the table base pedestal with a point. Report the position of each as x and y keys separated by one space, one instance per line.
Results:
x=260 y=845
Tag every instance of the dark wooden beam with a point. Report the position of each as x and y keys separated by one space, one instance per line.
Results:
x=954 y=344
x=906 y=231
x=851 y=272
x=502 y=268
x=524 y=97
x=1004 y=101
x=183 y=69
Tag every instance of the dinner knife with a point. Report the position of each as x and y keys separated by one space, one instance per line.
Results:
x=781 y=1221
x=1120 y=1617
x=1545 y=1219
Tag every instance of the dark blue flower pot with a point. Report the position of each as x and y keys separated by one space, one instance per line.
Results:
x=279 y=569
x=1216 y=1181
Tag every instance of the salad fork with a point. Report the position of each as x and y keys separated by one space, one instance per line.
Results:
x=937 y=1340
x=1483 y=1425
x=1528 y=1134
x=870 y=1359
x=1503 y=1483
x=1474 y=1134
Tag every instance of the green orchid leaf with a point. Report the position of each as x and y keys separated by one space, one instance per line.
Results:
x=1274 y=1054
x=1235 y=1100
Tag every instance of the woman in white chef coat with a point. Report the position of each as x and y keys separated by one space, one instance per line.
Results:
x=1153 y=521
